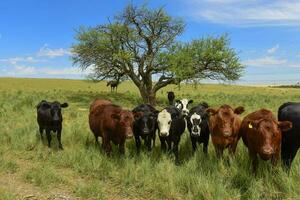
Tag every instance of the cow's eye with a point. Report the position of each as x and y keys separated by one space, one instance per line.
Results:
x=169 y=122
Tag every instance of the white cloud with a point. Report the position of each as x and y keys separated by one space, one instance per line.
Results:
x=45 y=51
x=273 y=49
x=266 y=61
x=15 y=60
x=23 y=70
x=247 y=13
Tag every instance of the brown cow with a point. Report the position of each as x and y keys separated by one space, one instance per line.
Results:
x=261 y=133
x=112 y=123
x=224 y=125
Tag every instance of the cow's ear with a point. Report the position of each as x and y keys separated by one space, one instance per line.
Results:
x=211 y=110
x=239 y=110
x=285 y=125
x=116 y=116
x=137 y=115
x=64 y=105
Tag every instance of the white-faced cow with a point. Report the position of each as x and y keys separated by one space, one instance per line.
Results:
x=49 y=118
x=182 y=105
x=171 y=125
x=197 y=124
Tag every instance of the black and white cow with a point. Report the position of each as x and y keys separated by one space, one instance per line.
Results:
x=171 y=125
x=182 y=105
x=49 y=118
x=290 y=142
x=197 y=124
x=145 y=126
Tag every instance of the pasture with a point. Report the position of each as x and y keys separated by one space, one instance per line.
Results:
x=29 y=169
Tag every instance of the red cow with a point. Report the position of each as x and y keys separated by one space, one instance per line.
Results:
x=224 y=125
x=112 y=123
x=262 y=134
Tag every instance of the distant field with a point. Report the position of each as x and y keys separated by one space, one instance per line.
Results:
x=82 y=171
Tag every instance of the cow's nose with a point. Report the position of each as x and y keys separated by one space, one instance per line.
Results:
x=145 y=131
x=227 y=133
x=185 y=112
x=163 y=134
x=129 y=135
x=268 y=150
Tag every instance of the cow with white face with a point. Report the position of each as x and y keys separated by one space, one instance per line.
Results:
x=182 y=105
x=197 y=124
x=171 y=125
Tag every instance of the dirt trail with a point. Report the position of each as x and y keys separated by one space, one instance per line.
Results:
x=14 y=183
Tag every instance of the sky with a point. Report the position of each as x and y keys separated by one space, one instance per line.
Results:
x=36 y=36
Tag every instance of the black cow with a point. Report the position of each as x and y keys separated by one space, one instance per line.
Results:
x=145 y=126
x=171 y=97
x=50 y=119
x=171 y=125
x=197 y=124
x=290 y=139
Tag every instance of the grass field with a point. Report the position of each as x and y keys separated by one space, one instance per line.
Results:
x=28 y=169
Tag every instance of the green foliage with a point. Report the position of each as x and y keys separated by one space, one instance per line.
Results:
x=205 y=58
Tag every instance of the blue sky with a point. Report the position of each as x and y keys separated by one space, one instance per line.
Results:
x=36 y=36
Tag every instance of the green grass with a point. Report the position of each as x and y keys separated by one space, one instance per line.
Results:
x=83 y=171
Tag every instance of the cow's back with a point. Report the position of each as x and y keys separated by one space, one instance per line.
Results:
x=99 y=102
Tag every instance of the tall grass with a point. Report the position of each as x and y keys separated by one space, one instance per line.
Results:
x=84 y=171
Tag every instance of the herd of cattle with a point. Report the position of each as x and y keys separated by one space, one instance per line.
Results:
x=260 y=131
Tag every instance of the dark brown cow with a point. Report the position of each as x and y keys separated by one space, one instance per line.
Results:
x=224 y=125
x=112 y=123
x=262 y=134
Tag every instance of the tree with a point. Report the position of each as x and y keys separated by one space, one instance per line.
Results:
x=206 y=58
x=140 y=44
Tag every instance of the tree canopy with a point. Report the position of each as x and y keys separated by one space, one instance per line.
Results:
x=141 y=42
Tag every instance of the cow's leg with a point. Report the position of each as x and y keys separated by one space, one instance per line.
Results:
x=232 y=148
x=219 y=151
x=175 y=150
x=163 y=144
x=205 y=145
x=122 y=147
x=137 y=143
x=41 y=132
x=194 y=144
x=96 y=140
x=48 y=137
x=153 y=138
x=59 y=139
x=287 y=156
x=254 y=159
x=106 y=145
x=169 y=142
x=148 y=142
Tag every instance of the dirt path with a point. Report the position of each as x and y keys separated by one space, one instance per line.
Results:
x=15 y=183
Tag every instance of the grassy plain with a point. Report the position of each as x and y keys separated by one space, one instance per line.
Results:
x=28 y=169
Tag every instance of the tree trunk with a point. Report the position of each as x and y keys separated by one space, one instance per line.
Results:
x=148 y=97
